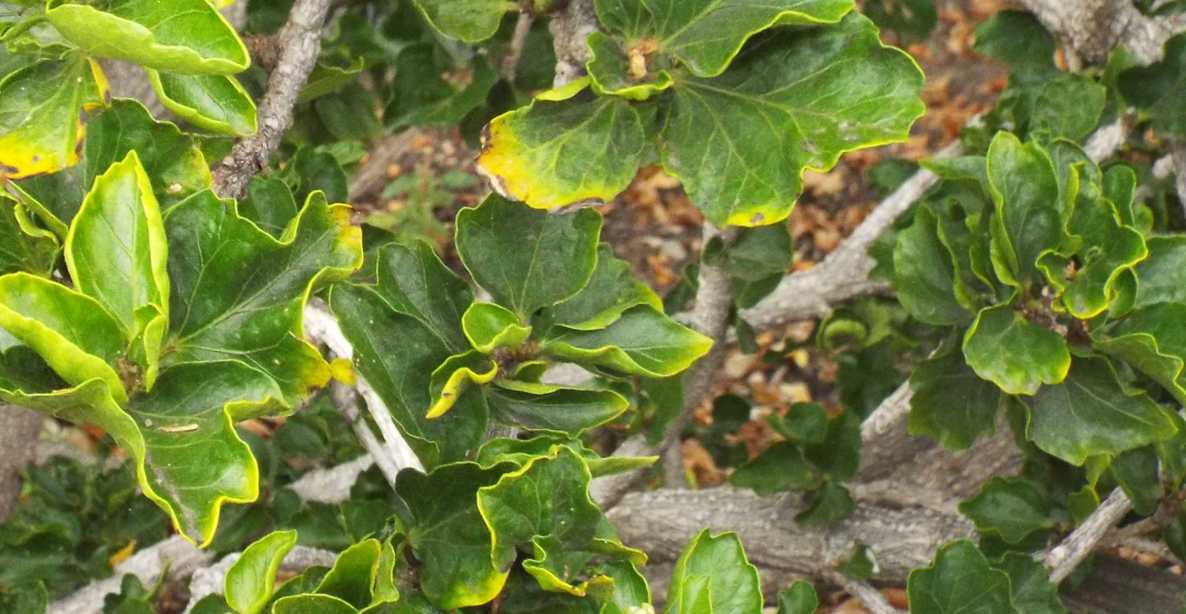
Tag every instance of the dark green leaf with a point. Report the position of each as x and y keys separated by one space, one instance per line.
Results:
x=527 y=259
x=1011 y=508
x=959 y=580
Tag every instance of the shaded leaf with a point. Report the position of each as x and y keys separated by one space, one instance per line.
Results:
x=780 y=467
x=1033 y=593
x=950 y=403
x=961 y=580
x=1011 y=508
x=924 y=273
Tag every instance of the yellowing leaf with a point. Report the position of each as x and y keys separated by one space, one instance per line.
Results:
x=41 y=127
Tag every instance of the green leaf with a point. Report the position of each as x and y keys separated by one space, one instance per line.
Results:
x=1011 y=508
x=555 y=409
x=329 y=76
x=546 y=504
x=527 y=259
x=71 y=331
x=1016 y=38
x=451 y=379
x=705 y=35
x=611 y=291
x=413 y=281
x=117 y=254
x=1033 y=593
x=238 y=293
x=804 y=423
x=448 y=535
x=521 y=451
x=1110 y=250
x=312 y=604
x=1024 y=188
x=1163 y=274
x=924 y=273
x=642 y=341
x=911 y=19
x=270 y=204
x=713 y=576
x=780 y=467
x=1017 y=355
x=829 y=505
x=40 y=114
x=352 y=577
x=959 y=580
x=1151 y=340
x=212 y=102
x=23 y=246
x=1092 y=414
x=194 y=460
x=489 y=327
x=395 y=352
x=951 y=404
x=472 y=21
x=1137 y=473
x=251 y=580
x=186 y=36
x=860 y=564
x=422 y=97
x=741 y=142
x=800 y=598
x=173 y=162
x=1158 y=88
x=541 y=154
x=1068 y=106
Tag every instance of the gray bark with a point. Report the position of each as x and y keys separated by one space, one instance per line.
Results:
x=1091 y=28
x=299 y=44
x=661 y=522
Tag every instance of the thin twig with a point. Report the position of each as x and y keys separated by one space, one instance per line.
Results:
x=347 y=403
x=873 y=600
x=510 y=62
x=299 y=43
x=710 y=317
x=1062 y=559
